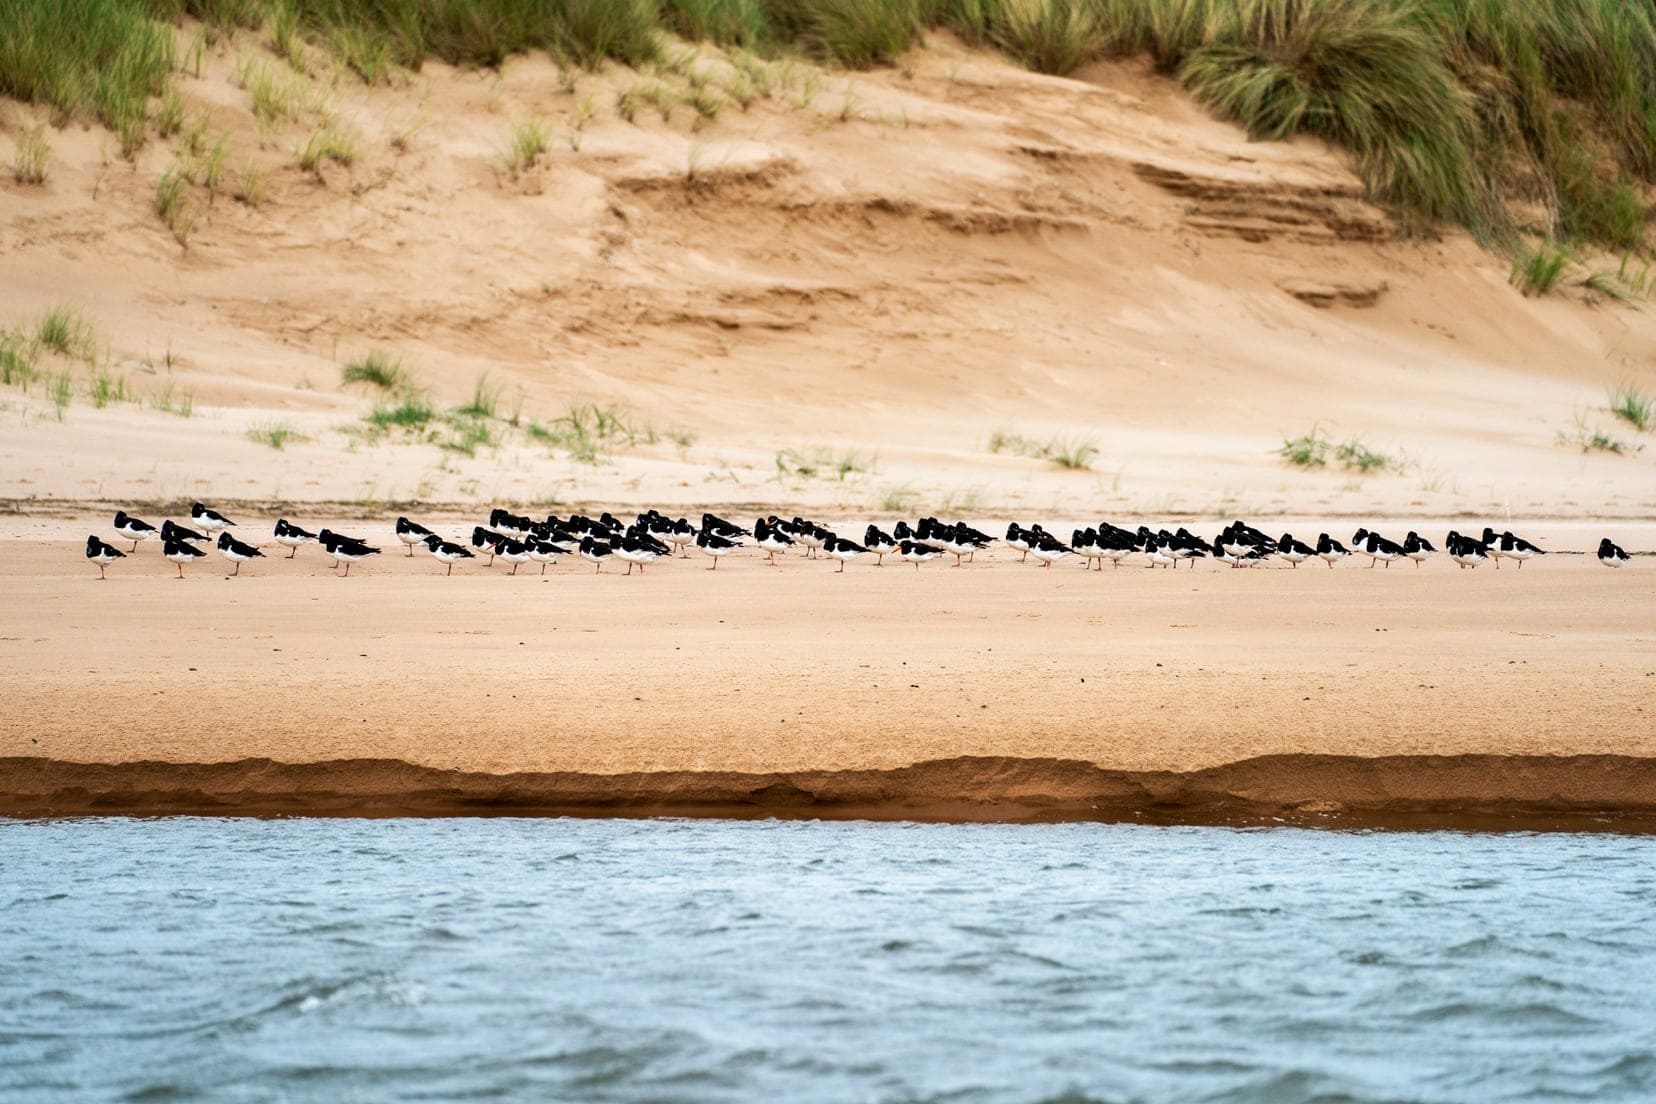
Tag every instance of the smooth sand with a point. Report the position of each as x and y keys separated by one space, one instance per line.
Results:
x=767 y=671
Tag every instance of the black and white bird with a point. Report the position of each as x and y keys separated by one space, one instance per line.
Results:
x=513 y=525
x=411 y=533
x=1330 y=550
x=486 y=541
x=236 y=552
x=446 y=552
x=809 y=534
x=102 y=554
x=714 y=545
x=1158 y=553
x=916 y=553
x=595 y=552
x=514 y=552
x=181 y=552
x=210 y=520
x=879 y=543
x=133 y=529
x=1610 y=554
x=637 y=549
x=1417 y=548
x=719 y=527
x=842 y=550
x=1295 y=552
x=768 y=534
x=291 y=537
x=681 y=534
x=545 y=552
x=1049 y=550
x=1465 y=551
x=171 y=532
x=1087 y=546
x=1508 y=547
x=1377 y=548
x=1019 y=539
x=345 y=550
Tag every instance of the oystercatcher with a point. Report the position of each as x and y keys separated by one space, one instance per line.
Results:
x=681 y=535
x=595 y=552
x=1465 y=551
x=133 y=529
x=1329 y=550
x=1048 y=550
x=171 y=532
x=635 y=548
x=236 y=552
x=1018 y=539
x=1513 y=548
x=445 y=552
x=1295 y=552
x=210 y=520
x=1611 y=554
x=915 y=552
x=180 y=552
x=842 y=550
x=544 y=552
x=878 y=543
x=715 y=545
x=513 y=552
x=102 y=554
x=1417 y=548
x=291 y=536
x=488 y=539
x=411 y=533
x=345 y=550
x=769 y=536
x=1377 y=548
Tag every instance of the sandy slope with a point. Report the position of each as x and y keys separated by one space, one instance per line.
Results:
x=892 y=265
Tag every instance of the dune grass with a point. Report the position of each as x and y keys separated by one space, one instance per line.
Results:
x=275 y=434
x=1633 y=405
x=378 y=368
x=412 y=412
x=1537 y=271
x=17 y=359
x=1454 y=110
x=1315 y=449
x=527 y=141
x=106 y=387
x=32 y=156
x=328 y=142
x=65 y=331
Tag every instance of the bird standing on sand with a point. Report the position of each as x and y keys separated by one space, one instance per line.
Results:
x=345 y=550
x=102 y=554
x=236 y=552
x=634 y=550
x=1049 y=550
x=916 y=553
x=1507 y=546
x=1610 y=554
x=210 y=520
x=181 y=552
x=842 y=550
x=513 y=552
x=595 y=552
x=411 y=533
x=290 y=536
x=545 y=552
x=1329 y=550
x=769 y=536
x=1295 y=552
x=879 y=543
x=133 y=529
x=715 y=545
x=1417 y=548
x=445 y=552
x=171 y=532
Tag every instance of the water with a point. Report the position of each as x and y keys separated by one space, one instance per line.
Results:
x=614 y=960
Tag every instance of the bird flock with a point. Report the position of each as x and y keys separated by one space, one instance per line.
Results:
x=518 y=540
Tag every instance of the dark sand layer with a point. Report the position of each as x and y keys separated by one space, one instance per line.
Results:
x=1589 y=792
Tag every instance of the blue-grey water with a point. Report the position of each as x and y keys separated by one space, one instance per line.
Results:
x=630 y=960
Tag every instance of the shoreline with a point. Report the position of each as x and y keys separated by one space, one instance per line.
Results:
x=1600 y=793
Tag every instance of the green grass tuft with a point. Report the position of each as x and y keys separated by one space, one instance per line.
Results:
x=169 y=401
x=327 y=143
x=275 y=434
x=106 y=388
x=485 y=400
x=1633 y=405
x=1309 y=450
x=411 y=413
x=63 y=330
x=380 y=369
x=529 y=139
x=17 y=360
x=1537 y=271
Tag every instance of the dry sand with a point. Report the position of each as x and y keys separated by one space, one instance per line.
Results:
x=1016 y=684
x=884 y=270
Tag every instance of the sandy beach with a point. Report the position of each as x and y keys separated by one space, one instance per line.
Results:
x=1019 y=688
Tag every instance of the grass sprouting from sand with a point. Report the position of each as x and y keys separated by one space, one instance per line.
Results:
x=1633 y=405
x=821 y=463
x=63 y=330
x=32 y=156
x=1070 y=453
x=528 y=140
x=378 y=368
x=1590 y=439
x=410 y=413
x=1314 y=449
x=1538 y=270
x=275 y=434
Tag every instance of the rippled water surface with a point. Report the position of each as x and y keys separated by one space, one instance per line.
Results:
x=613 y=960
